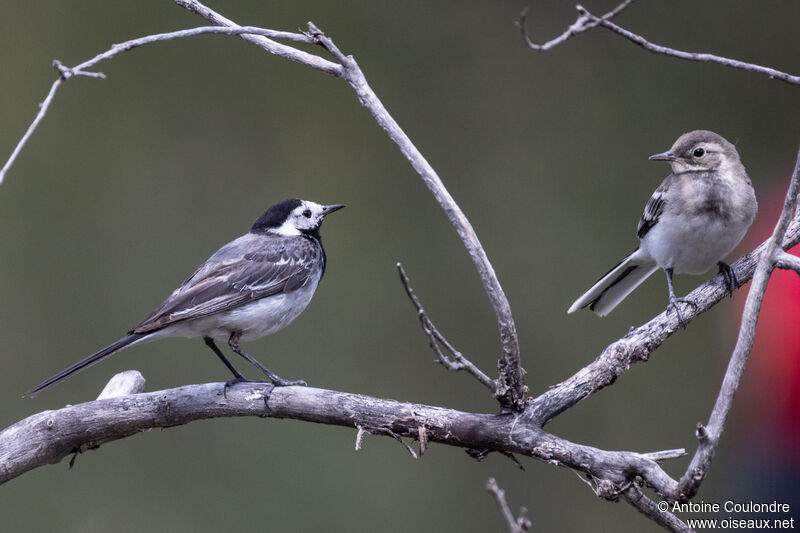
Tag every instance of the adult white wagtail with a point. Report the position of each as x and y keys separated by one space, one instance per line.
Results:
x=251 y=287
x=693 y=220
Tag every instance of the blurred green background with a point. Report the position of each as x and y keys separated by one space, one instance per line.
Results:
x=131 y=181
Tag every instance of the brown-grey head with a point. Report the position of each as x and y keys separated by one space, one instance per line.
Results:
x=698 y=151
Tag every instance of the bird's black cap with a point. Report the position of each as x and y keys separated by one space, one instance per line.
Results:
x=275 y=215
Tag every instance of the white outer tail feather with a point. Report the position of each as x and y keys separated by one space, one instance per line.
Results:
x=615 y=286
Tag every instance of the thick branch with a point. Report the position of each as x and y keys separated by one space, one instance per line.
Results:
x=50 y=436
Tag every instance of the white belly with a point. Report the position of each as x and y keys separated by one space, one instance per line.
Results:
x=667 y=245
x=253 y=320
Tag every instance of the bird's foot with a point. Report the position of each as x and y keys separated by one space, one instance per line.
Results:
x=280 y=382
x=232 y=382
x=729 y=276
x=673 y=305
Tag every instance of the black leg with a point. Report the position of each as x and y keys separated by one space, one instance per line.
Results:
x=233 y=342
x=238 y=377
x=730 y=277
x=674 y=301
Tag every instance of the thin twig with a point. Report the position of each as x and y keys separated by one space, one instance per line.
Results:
x=665 y=454
x=273 y=47
x=692 y=56
x=515 y=524
x=587 y=21
x=43 y=107
x=456 y=361
x=511 y=390
x=260 y=34
x=582 y=23
x=383 y=431
x=710 y=434
x=360 y=437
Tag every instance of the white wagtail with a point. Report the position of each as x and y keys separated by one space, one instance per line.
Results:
x=251 y=287
x=693 y=220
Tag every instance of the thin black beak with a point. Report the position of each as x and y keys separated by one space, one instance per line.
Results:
x=664 y=156
x=328 y=209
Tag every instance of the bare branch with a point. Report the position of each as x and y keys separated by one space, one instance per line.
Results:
x=257 y=35
x=582 y=23
x=587 y=21
x=665 y=454
x=67 y=72
x=692 y=56
x=511 y=389
x=278 y=49
x=649 y=508
x=50 y=436
x=458 y=361
x=515 y=524
x=788 y=261
x=710 y=434
x=43 y=107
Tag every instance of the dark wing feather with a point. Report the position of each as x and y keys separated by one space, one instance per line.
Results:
x=653 y=209
x=225 y=282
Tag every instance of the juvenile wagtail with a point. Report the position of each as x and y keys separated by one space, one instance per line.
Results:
x=692 y=221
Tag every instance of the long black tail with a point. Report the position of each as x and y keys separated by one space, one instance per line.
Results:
x=86 y=362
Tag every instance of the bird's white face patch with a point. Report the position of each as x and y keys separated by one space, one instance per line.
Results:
x=307 y=216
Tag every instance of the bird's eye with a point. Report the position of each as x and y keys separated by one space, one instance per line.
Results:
x=307 y=213
x=699 y=152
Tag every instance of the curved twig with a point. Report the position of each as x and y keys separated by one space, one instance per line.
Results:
x=587 y=21
x=511 y=389
x=251 y=33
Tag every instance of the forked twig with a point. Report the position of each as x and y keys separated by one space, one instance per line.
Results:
x=516 y=524
x=456 y=360
x=587 y=21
